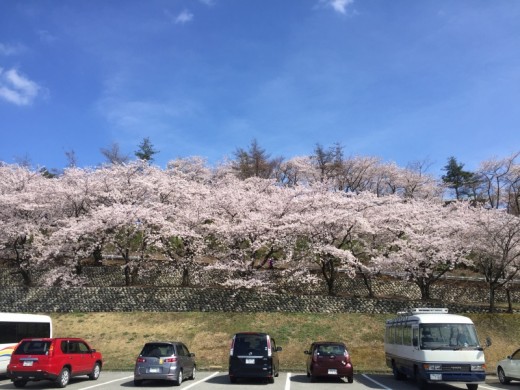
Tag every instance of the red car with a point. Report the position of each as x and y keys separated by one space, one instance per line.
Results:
x=329 y=359
x=54 y=359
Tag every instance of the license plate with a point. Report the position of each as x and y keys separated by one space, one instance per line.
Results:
x=154 y=370
x=250 y=361
x=333 y=372
x=435 y=377
x=28 y=363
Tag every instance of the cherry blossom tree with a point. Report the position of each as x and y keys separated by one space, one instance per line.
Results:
x=494 y=176
x=494 y=241
x=327 y=231
x=26 y=215
x=426 y=241
x=248 y=227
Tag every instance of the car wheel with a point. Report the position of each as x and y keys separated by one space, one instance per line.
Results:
x=192 y=376
x=19 y=383
x=179 y=379
x=94 y=375
x=308 y=374
x=350 y=379
x=397 y=374
x=502 y=376
x=421 y=382
x=472 y=386
x=63 y=378
x=138 y=382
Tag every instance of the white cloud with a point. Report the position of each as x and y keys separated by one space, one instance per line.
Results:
x=17 y=89
x=46 y=36
x=9 y=50
x=338 y=5
x=184 y=17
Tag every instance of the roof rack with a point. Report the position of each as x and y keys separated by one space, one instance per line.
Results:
x=424 y=310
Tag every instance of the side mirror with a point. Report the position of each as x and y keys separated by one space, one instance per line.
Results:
x=306 y=352
x=92 y=350
x=192 y=354
x=278 y=349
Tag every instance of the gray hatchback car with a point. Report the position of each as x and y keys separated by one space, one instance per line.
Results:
x=164 y=360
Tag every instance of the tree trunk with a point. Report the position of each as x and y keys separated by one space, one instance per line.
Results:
x=491 y=299
x=185 y=277
x=368 y=284
x=329 y=273
x=27 y=278
x=509 y=303
x=424 y=286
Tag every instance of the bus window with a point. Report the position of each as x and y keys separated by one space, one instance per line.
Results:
x=407 y=335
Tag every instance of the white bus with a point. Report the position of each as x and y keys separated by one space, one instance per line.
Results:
x=15 y=327
x=431 y=346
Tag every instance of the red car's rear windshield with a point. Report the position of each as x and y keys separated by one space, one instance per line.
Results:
x=33 y=347
x=330 y=349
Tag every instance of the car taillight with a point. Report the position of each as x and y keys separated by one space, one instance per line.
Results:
x=141 y=360
x=269 y=346
x=232 y=346
x=170 y=360
x=51 y=350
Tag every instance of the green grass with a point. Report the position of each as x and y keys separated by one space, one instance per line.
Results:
x=120 y=336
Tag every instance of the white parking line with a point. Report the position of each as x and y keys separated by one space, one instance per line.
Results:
x=202 y=380
x=376 y=382
x=106 y=383
x=288 y=381
x=487 y=387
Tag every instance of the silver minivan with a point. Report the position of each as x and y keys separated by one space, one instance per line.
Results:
x=164 y=360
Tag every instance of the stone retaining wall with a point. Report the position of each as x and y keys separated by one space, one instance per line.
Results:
x=168 y=299
x=105 y=291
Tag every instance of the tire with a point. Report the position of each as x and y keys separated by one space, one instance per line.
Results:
x=63 y=378
x=421 y=382
x=308 y=374
x=179 y=379
x=398 y=375
x=472 y=386
x=94 y=375
x=502 y=376
x=192 y=376
x=19 y=384
x=270 y=379
x=138 y=382
x=350 y=379
x=232 y=379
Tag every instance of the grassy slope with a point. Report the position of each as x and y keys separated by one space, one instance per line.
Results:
x=120 y=336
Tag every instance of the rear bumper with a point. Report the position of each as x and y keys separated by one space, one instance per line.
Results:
x=31 y=375
x=161 y=377
x=171 y=375
x=261 y=372
x=346 y=371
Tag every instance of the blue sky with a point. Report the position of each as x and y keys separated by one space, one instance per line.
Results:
x=402 y=80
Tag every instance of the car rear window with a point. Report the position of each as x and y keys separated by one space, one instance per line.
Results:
x=157 y=350
x=250 y=343
x=330 y=349
x=33 y=347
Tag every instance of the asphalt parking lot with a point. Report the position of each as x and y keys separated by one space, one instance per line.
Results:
x=216 y=380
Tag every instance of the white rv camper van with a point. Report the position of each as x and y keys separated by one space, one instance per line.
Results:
x=432 y=346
